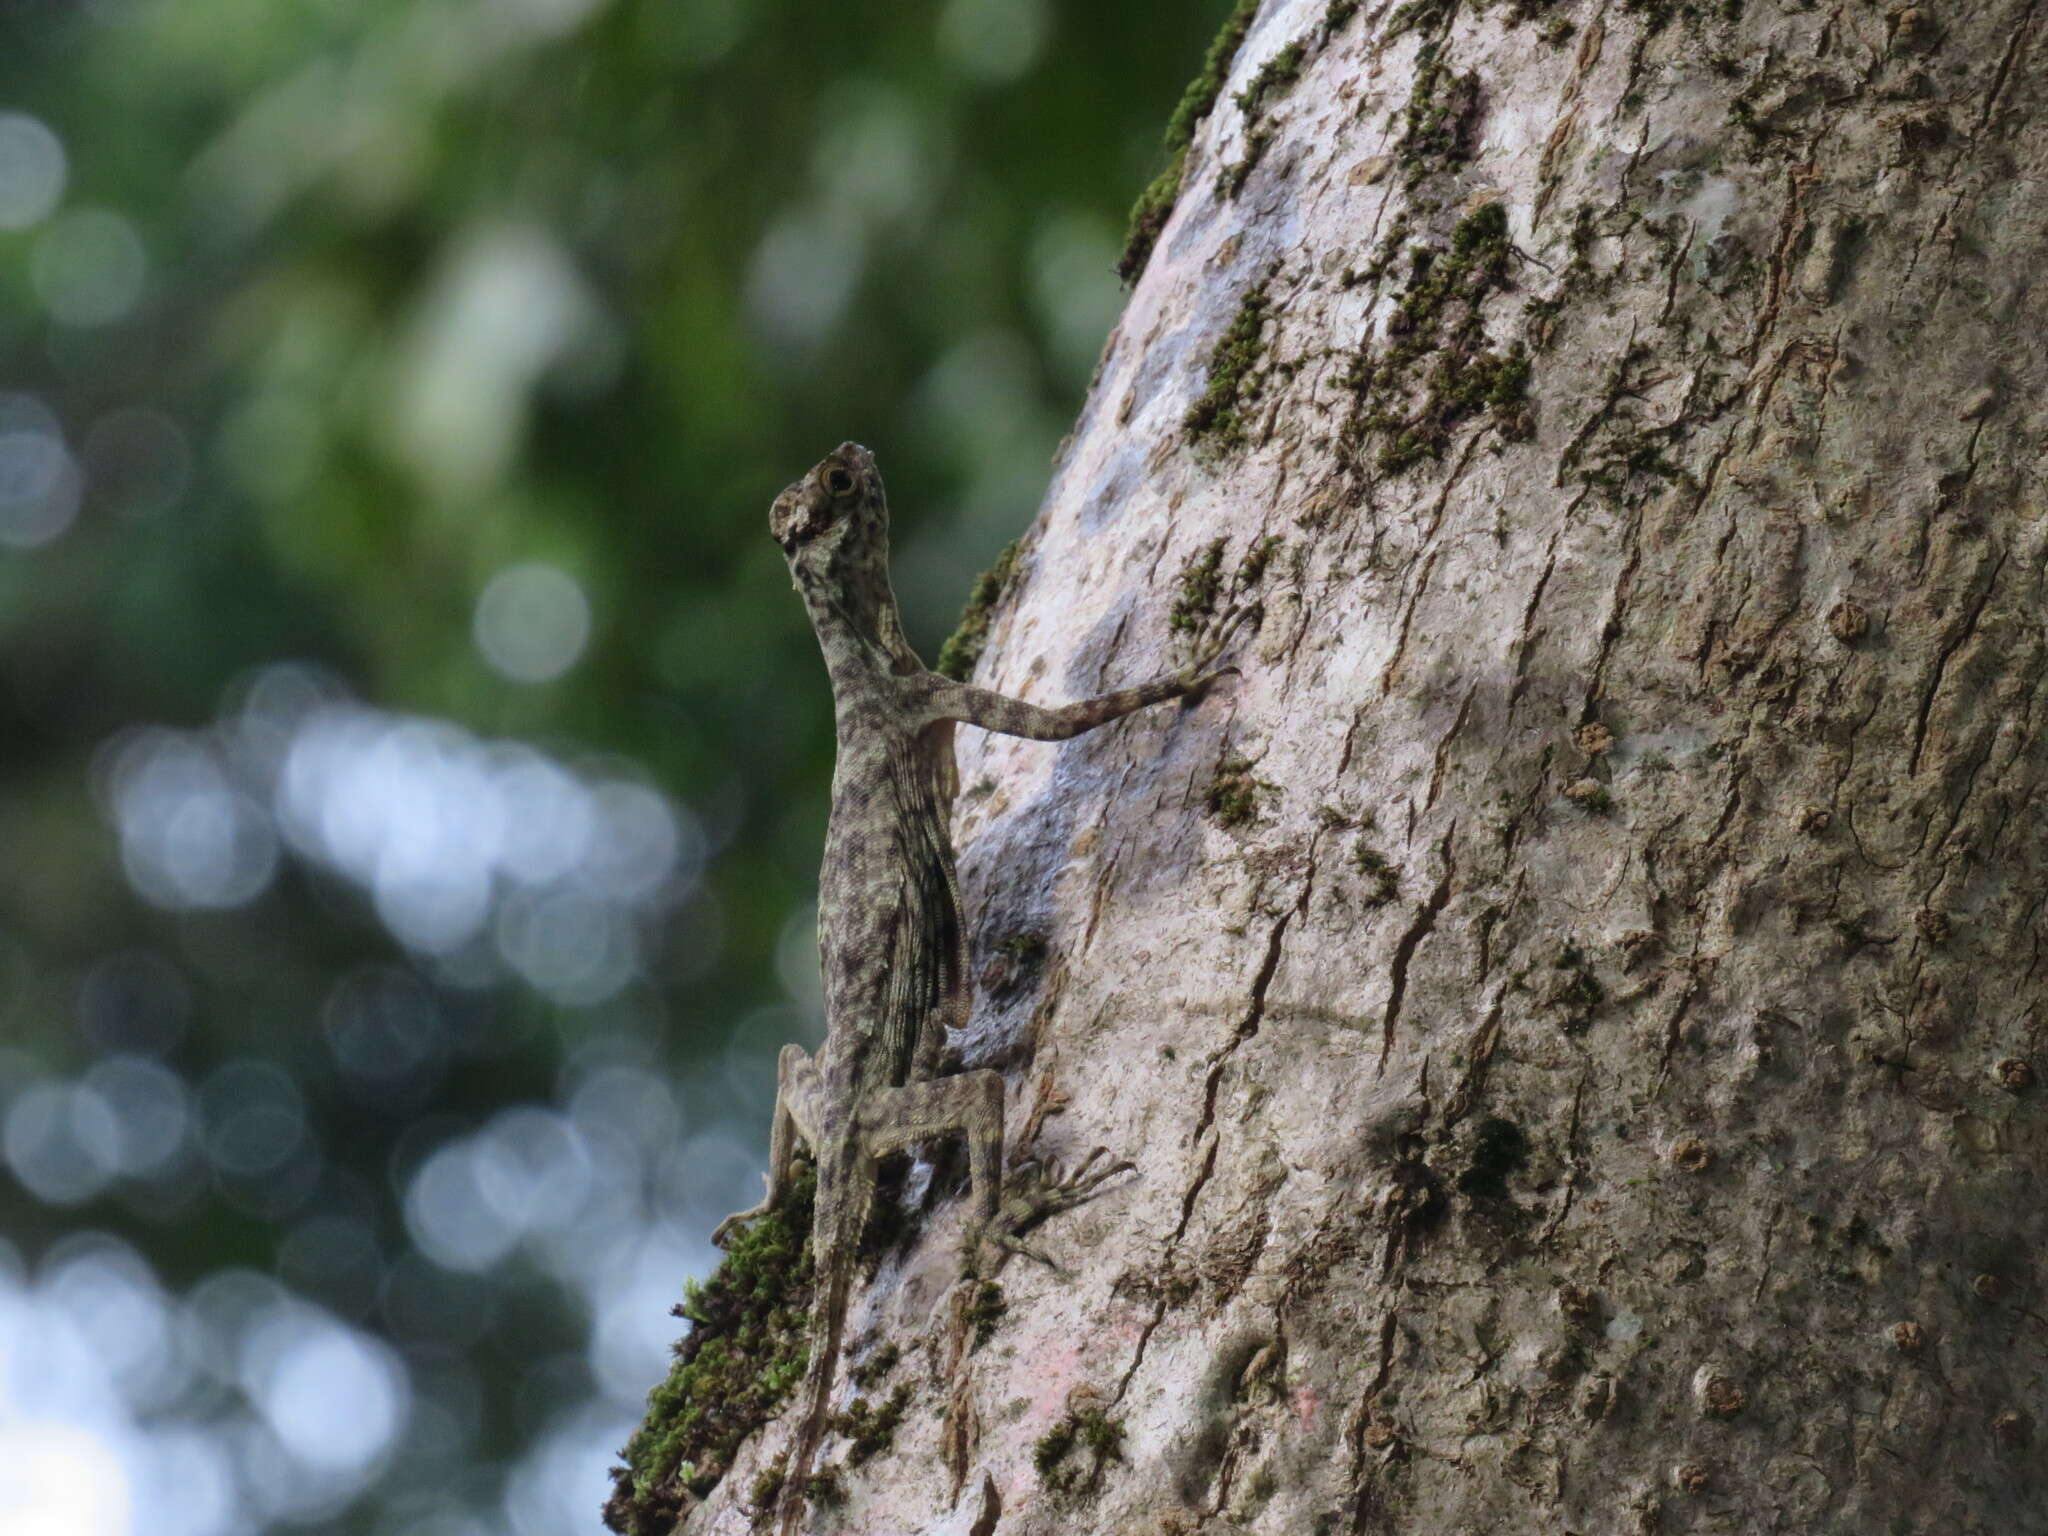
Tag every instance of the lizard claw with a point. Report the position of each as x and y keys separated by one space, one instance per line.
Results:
x=738 y=1219
x=1202 y=673
x=1038 y=1190
x=1011 y=1245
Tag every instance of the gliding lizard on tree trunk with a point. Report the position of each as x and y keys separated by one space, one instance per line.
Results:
x=889 y=927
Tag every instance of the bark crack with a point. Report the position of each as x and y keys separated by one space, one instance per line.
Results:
x=2005 y=67
x=1574 y=1166
x=1941 y=661
x=1407 y=621
x=1443 y=747
x=1206 y=1130
x=1404 y=950
x=1524 y=640
x=1364 y=1502
x=1790 y=222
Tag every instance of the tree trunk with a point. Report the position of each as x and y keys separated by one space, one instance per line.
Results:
x=1571 y=1002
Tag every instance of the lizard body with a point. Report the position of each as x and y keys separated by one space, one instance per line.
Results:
x=891 y=939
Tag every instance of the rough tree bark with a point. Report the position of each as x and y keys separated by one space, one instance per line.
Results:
x=1573 y=1002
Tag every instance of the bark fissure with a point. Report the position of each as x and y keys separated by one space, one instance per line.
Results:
x=1525 y=637
x=1418 y=929
x=1950 y=645
x=1441 y=758
x=1407 y=622
x=2022 y=33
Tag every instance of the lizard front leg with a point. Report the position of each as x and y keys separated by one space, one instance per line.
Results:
x=796 y=1087
x=1014 y=717
x=943 y=699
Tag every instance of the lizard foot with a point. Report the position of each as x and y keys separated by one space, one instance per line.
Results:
x=1203 y=673
x=738 y=1219
x=1034 y=1192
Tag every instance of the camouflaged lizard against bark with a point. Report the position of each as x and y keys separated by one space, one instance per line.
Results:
x=889 y=926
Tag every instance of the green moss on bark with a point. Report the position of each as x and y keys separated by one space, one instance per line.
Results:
x=1236 y=377
x=1201 y=583
x=1434 y=369
x=1437 y=123
x=1275 y=78
x=1252 y=569
x=871 y=1430
x=744 y=1354
x=986 y=1310
x=1155 y=203
x=1090 y=1430
x=1235 y=793
x=964 y=646
x=1382 y=875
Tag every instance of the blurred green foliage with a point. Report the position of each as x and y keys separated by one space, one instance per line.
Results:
x=346 y=306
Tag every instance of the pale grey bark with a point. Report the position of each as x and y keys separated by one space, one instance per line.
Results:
x=1662 y=1152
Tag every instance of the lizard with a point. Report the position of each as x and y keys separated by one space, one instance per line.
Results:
x=891 y=939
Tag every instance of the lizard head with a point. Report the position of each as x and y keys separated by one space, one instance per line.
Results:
x=835 y=510
x=833 y=525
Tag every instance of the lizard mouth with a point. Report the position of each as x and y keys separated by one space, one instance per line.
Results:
x=787 y=523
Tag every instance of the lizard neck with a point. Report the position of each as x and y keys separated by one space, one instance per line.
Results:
x=853 y=613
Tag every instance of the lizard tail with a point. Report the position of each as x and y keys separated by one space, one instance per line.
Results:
x=836 y=1249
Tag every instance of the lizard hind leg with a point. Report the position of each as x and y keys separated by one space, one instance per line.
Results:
x=796 y=1081
x=970 y=1103
x=1039 y=1190
x=1005 y=1207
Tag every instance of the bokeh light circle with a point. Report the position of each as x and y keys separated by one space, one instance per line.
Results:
x=532 y=622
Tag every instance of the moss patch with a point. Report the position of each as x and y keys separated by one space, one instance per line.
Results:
x=767 y=1487
x=870 y=1372
x=1382 y=877
x=1088 y=1430
x=1233 y=797
x=743 y=1355
x=871 y=1430
x=1275 y=78
x=1201 y=582
x=1237 y=376
x=1203 y=586
x=1420 y=16
x=1437 y=123
x=1257 y=140
x=964 y=646
x=825 y=1487
x=1435 y=369
x=1252 y=569
x=985 y=1309
x=1155 y=204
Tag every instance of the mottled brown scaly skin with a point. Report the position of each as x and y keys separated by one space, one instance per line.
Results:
x=889 y=927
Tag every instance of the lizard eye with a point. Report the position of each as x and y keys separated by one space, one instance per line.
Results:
x=839 y=481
